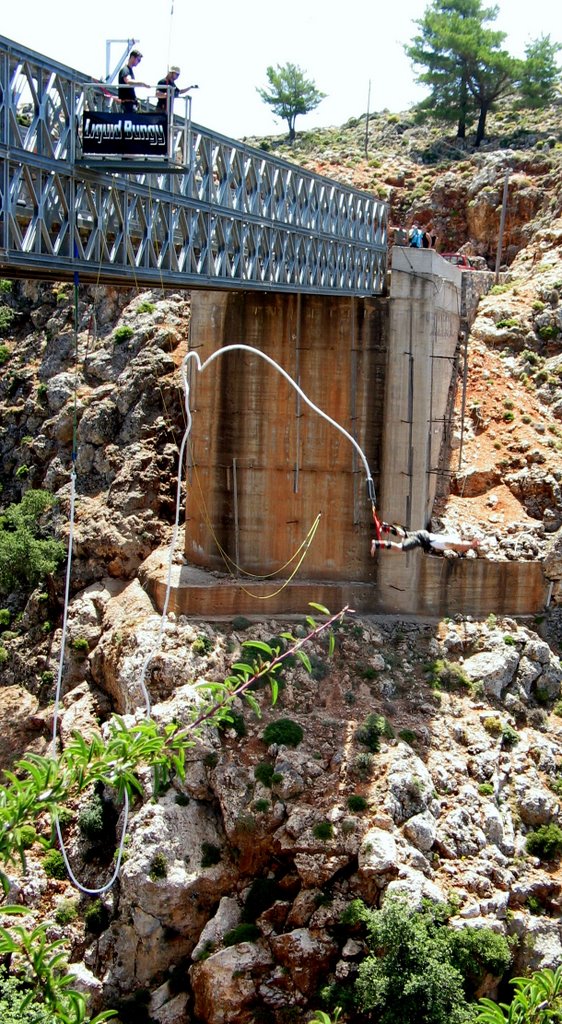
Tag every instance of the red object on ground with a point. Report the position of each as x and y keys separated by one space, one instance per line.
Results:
x=458 y=259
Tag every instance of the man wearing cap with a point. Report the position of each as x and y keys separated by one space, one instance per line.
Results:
x=167 y=88
x=126 y=93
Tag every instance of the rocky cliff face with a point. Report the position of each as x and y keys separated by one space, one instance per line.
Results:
x=274 y=838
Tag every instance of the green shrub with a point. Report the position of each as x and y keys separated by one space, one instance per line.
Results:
x=369 y=734
x=26 y=558
x=5 y=286
x=263 y=772
x=158 y=867
x=66 y=911
x=122 y=333
x=240 y=622
x=4 y=354
x=6 y=318
x=509 y=737
x=486 y=789
x=477 y=952
x=5 y=618
x=261 y=806
x=356 y=802
x=27 y=835
x=97 y=821
x=53 y=864
x=447 y=675
x=202 y=645
x=244 y=932
x=96 y=918
x=18 y=1006
x=323 y=830
x=80 y=645
x=493 y=725
x=545 y=842
x=546 y=333
x=284 y=732
x=4 y=655
x=409 y=977
x=363 y=765
x=145 y=307
x=408 y=736
x=210 y=855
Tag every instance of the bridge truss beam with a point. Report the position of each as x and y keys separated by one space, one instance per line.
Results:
x=222 y=215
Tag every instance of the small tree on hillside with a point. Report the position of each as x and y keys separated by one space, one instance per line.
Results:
x=290 y=94
x=540 y=73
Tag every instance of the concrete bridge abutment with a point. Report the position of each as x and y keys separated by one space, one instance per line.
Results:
x=263 y=465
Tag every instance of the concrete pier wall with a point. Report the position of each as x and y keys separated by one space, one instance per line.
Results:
x=265 y=464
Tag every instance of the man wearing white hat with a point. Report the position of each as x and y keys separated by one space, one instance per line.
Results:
x=167 y=88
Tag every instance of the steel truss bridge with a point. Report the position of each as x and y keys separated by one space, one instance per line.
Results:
x=217 y=214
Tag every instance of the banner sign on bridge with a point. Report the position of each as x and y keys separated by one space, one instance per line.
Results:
x=129 y=134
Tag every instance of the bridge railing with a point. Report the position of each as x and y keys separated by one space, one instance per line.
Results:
x=216 y=214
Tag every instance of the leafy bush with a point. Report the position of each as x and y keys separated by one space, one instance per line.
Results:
x=80 y=645
x=97 y=821
x=323 y=830
x=479 y=951
x=96 y=918
x=15 y=1004
x=447 y=675
x=145 y=307
x=284 y=732
x=545 y=842
x=53 y=864
x=158 y=867
x=25 y=558
x=420 y=969
x=210 y=855
x=356 y=802
x=202 y=645
x=66 y=911
x=369 y=734
x=4 y=354
x=6 y=318
x=122 y=333
x=486 y=789
x=245 y=932
x=264 y=772
x=362 y=765
x=5 y=618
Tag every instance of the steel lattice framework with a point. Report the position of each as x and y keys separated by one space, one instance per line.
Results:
x=231 y=217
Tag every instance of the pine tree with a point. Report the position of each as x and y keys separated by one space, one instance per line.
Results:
x=466 y=69
x=540 y=73
x=290 y=94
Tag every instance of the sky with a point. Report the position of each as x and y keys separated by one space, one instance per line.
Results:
x=353 y=51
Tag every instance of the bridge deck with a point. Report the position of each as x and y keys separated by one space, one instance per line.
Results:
x=219 y=215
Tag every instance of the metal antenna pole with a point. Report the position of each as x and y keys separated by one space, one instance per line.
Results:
x=367 y=120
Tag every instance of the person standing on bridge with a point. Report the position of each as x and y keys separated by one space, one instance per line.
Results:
x=429 y=542
x=126 y=92
x=167 y=90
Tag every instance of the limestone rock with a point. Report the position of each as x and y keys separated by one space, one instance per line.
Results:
x=226 y=984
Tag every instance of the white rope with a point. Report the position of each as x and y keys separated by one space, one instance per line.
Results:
x=58 y=690
x=256 y=351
